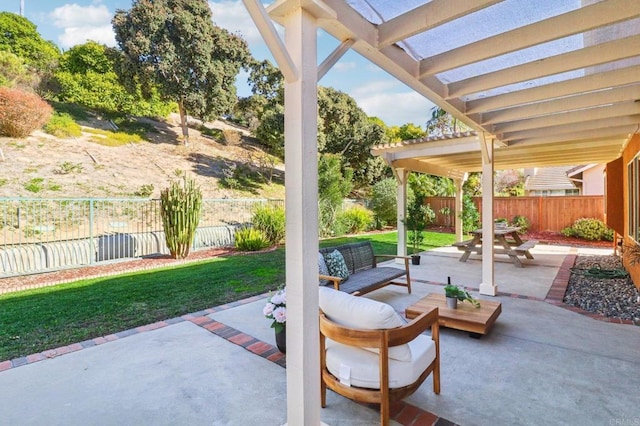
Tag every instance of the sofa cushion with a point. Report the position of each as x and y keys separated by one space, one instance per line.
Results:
x=356 y=367
x=369 y=278
x=363 y=313
x=336 y=265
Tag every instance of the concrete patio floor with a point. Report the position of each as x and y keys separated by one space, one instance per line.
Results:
x=541 y=364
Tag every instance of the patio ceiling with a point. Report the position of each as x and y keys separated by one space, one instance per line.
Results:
x=552 y=82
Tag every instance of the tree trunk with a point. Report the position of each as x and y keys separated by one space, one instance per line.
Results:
x=183 y=123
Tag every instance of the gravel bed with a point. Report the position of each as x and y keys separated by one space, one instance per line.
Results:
x=611 y=297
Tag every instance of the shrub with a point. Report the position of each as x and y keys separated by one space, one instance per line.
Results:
x=470 y=214
x=35 y=185
x=67 y=167
x=214 y=133
x=521 y=222
x=589 y=229
x=232 y=137
x=180 y=208
x=329 y=225
x=270 y=220
x=356 y=219
x=62 y=125
x=144 y=191
x=251 y=239
x=108 y=138
x=21 y=113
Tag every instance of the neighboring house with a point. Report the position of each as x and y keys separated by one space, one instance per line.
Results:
x=549 y=182
x=589 y=179
x=622 y=210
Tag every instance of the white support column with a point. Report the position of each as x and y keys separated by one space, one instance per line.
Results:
x=301 y=190
x=401 y=197
x=457 y=211
x=488 y=285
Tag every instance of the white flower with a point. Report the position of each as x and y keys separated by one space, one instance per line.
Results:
x=280 y=298
x=268 y=309
x=280 y=314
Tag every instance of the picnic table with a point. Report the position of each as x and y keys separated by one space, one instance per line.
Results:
x=506 y=241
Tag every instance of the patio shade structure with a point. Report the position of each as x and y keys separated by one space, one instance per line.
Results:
x=550 y=82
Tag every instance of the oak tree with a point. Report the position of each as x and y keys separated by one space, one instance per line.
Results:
x=173 y=45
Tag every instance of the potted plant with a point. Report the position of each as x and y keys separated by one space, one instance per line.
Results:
x=453 y=293
x=416 y=221
x=276 y=310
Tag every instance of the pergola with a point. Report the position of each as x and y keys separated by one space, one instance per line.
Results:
x=546 y=82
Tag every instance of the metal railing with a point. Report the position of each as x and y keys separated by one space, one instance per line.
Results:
x=38 y=235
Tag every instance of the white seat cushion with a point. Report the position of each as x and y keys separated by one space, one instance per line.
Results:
x=365 y=314
x=360 y=367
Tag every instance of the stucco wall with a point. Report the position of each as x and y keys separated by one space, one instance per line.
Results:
x=634 y=269
x=593 y=180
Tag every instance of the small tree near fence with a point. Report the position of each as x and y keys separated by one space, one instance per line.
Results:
x=180 y=208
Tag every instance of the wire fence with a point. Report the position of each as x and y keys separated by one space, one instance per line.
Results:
x=38 y=235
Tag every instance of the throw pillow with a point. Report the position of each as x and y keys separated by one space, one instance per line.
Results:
x=322 y=269
x=336 y=265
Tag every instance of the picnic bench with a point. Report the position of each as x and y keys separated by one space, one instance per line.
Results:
x=508 y=242
x=364 y=273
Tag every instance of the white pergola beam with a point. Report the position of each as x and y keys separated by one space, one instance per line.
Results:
x=603 y=97
x=425 y=17
x=272 y=39
x=603 y=125
x=392 y=59
x=427 y=149
x=588 y=83
x=573 y=117
x=613 y=132
x=334 y=57
x=578 y=59
x=423 y=166
x=575 y=22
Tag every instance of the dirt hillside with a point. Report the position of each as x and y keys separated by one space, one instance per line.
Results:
x=45 y=166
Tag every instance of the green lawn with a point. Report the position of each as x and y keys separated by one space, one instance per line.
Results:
x=36 y=320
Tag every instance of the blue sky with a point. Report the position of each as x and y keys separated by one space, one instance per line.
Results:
x=69 y=23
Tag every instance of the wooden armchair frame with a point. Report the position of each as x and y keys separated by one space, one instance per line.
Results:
x=383 y=340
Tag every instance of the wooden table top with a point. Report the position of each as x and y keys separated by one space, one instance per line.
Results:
x=498 y=231
x=466 y=317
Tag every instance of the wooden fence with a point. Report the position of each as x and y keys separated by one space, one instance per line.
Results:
x=544 y=213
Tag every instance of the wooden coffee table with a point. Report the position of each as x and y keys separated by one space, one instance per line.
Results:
x=477 y=321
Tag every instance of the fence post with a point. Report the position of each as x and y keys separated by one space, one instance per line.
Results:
x=91 y=244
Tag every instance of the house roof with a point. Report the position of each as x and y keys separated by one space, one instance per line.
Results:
x=549 y=179
x=550 y=82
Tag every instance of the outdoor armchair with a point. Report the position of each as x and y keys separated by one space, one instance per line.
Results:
x=368 y=353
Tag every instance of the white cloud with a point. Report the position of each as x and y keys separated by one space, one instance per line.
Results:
x=233 y=16
x=394 y=108
x=82 y=23
x=79 y=35
x=344 y=66
x=73 y=15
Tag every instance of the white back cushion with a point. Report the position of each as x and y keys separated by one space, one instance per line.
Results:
x=366 y=314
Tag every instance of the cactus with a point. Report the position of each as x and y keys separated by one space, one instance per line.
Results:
x=180 y=208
